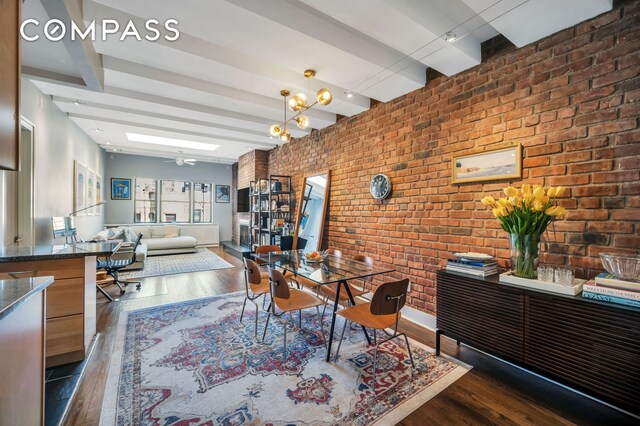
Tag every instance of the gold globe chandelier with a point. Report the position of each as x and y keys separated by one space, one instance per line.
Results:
x=298 y=104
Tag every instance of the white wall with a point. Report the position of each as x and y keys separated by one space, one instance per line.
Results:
x=58 y=141
x=132 y=166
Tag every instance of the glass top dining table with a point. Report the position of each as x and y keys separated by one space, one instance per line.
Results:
x=330 y=270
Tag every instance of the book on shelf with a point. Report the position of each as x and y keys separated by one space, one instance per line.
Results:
x=471 y=271
x=611 y=299
x=477 y=270
x=610 y=280
x=477 y=263
x=593 y=287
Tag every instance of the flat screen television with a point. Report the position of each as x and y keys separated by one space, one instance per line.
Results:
x=243 y=200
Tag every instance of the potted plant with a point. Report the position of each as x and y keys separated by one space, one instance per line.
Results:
x=525 y=214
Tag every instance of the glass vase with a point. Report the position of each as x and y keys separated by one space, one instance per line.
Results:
x=524 y=254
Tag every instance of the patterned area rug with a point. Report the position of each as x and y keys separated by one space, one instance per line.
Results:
x=194 y=363
x=201 y=260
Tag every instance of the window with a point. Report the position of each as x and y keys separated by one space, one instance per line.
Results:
x=202 y=199
x=145 y=201
x=175 y=201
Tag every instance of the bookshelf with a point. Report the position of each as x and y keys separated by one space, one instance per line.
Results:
x=271 y=209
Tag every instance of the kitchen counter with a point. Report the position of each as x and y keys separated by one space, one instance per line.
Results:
x=70 y=300
x=13 y=293
x=62 y=251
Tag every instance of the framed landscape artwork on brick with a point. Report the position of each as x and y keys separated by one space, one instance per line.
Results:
x=497 y=164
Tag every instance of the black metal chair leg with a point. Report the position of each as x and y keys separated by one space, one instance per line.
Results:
x=344 y=327
x=243 y=306
x=266 y=326
x=105 y=294
x=406 y=339
x=137 y=283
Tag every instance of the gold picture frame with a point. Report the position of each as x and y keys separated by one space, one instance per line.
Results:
x=480 y=166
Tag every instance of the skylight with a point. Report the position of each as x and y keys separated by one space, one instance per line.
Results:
x=177 y=143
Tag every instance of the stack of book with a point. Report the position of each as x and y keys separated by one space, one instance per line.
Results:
x=479 y=268
x=609 y=288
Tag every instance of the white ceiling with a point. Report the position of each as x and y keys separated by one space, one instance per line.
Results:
x=219 y=83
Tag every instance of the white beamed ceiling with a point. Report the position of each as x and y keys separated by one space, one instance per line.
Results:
x=220 y=82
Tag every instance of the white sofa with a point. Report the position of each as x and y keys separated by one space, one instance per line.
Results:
x=165 y=239
x=156 y=240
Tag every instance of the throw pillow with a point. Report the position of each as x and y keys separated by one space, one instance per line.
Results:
x=171 y=231
x=115 y=234
x=157 y=232
x=129 y=235
x=101 y=236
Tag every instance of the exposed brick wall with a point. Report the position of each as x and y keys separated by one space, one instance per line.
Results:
x=250 y=166
x=571 y=100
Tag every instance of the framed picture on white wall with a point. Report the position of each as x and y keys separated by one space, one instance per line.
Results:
x=91 y=192
x=80 y=188
x=99 y=196
x=223 y=194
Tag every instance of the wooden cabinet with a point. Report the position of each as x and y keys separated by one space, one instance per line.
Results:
x=595 y=347
x=9 y=85
x=65 y=335
x=65 y=297
x=22 y=367
x=591 y=346
x=71 y=300
x=483 y=315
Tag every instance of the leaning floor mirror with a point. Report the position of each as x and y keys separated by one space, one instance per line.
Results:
x=312 y=207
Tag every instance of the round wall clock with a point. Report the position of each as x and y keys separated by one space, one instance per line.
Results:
x=380 y=187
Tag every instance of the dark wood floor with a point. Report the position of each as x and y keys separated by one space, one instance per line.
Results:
x=491 y=393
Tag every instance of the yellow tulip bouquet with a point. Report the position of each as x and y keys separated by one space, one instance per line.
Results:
x=525 y=214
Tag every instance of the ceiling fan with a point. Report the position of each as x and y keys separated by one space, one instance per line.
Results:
x=180 y=160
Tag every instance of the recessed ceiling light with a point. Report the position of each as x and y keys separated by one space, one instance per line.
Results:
x=349 y=94
x=450 y=37
x=98 y=130
x=77 y=102
x=178 y=143
x=108 y=143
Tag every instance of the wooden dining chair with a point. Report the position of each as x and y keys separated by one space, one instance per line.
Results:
x=270 y=249
x=329 y=290
x=381 y=313
x=285 y=299
x=255 y=286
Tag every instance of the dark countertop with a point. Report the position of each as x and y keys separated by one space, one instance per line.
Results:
x=13 y=293
x=62 y=251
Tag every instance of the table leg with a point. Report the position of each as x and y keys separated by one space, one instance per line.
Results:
x=438 y=334
x=353 y=303
x=333 y=321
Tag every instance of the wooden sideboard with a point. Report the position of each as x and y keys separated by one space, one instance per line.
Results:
x=588 y=345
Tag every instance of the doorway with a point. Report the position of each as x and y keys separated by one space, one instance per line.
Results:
x=17 y=190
